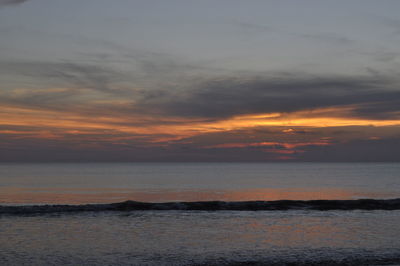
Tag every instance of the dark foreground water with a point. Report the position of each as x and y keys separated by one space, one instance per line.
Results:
x=202 y=237
x=299 y=235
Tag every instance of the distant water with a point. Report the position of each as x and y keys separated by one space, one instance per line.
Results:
x=156 y=182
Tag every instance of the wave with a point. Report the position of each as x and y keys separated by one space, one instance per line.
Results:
x=281 y=205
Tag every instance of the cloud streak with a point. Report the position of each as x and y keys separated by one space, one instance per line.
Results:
x=319 y=36
x=224 y=97
x=11 y=2
x=89 y=88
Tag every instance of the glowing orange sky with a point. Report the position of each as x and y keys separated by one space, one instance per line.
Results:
x=98 y=130
x=91 y=131
x=51 y=122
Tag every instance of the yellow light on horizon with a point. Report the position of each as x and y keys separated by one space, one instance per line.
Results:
x=172 y=128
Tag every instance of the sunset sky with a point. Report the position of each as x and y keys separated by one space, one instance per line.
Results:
x=209 y=80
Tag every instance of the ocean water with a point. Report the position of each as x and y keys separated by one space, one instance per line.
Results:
x=202 y=238
x=157 y=182
x=293 y=237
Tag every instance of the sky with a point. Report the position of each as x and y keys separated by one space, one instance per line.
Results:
x=210 y=80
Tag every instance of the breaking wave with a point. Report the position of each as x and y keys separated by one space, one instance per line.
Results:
x=281 y=205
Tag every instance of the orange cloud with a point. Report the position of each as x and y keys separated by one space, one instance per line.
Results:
x=283 y=151
x=268 y=144
x=53 y=124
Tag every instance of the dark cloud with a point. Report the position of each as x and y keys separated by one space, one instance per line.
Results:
x=11 y=2
x=99 y=71
x=85 y=76
x=372 y=150
x=202 y=95
x=225 y=97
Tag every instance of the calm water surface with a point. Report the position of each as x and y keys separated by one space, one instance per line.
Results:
x=155 y=182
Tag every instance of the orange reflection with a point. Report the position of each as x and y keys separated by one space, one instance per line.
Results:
x=81 y=195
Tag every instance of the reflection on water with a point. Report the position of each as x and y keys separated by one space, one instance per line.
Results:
x=185 y=237
x=83 y=195
x=156 y=182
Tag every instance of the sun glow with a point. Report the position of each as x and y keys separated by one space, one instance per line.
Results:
x=53 y=124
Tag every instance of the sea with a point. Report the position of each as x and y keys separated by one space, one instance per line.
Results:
x=198 y=237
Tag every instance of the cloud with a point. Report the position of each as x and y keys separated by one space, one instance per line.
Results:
x=11 y=2
x=392 y=23
x=327 y=37
x=253 y=27
x=219 y=98
x=198 y=94
x=85 y=76
x=371 y=150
